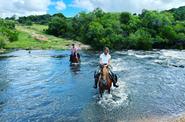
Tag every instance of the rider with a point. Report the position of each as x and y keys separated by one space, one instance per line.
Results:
x=105 y=60
x=74 y=52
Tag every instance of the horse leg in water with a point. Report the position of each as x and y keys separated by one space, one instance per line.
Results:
x=109 y=84
x=101 y=89
x=109 y=90
x=100 y=92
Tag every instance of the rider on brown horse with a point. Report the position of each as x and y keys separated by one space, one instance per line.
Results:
x=105 y=60
x=74 y=53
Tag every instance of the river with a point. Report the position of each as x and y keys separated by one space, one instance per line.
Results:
x=42 y=86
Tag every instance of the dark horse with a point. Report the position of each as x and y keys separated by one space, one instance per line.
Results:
x=75 y=58
x=104 y=81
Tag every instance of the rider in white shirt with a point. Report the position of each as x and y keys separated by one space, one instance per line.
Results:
x=105 y=60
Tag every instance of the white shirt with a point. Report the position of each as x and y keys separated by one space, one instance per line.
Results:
x=105 y=58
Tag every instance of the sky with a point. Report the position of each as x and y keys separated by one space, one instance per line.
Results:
x=70 y=8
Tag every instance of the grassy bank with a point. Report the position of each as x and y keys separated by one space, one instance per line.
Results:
x=33 y=37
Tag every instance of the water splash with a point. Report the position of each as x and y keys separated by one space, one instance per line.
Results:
x=116 y=98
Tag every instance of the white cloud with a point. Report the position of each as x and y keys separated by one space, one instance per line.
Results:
x=134 y=6
x=36 y=7
x=60 y=5
x=23 y=7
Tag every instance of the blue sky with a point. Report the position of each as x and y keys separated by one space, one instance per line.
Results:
x=135 y=6
x=68 y=11
x=70 y=8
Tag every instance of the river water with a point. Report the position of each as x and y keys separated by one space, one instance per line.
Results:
x=42 y=86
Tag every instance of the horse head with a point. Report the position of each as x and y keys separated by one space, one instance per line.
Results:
x=104 y=72
x=105 y=82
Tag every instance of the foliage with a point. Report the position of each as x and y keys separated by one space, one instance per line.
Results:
x=141 y=39
x=3 y=41
x=7 y=32
x=151 y=29
x=38 y=19
x=178 y=13
x=57 y=26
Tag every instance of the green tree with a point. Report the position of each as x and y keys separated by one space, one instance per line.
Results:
x=141 y=39
x=57 y=26
x=178 y=13
x=94 y=35
x=3 y=41
x=125 y=17
x=8 y=32
x=151 y=29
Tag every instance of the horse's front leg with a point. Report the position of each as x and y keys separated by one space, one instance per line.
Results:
x=100 y=92
x=109 y=90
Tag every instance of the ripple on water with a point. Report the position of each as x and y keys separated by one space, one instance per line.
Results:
x=41 y=86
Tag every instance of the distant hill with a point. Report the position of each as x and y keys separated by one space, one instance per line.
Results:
x=179 y=13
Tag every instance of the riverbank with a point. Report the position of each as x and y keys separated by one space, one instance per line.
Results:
x=33 y=37
x=2 y=51
x=5 y=51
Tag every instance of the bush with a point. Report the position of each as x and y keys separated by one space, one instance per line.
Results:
x=140 y=40
x=3 y=41
x=8 y=32
x=116 y=41
x=169 y=33
x=57 y=26
x=28 y=23
x=159 y=42
x=94 y=35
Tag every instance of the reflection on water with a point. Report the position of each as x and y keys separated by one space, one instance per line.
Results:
x=75 y=68
x=43 y=86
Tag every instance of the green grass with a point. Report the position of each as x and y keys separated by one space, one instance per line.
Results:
x=26 y=39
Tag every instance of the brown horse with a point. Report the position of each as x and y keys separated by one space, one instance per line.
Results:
x=104 y=81
x=74 y=58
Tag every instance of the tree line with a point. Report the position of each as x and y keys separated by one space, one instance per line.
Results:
x=148 y=30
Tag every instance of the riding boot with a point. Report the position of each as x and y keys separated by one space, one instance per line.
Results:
x=114 y=84
x=70 y=58
x=96 y=76
x=114 y=78
x=95 y=83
